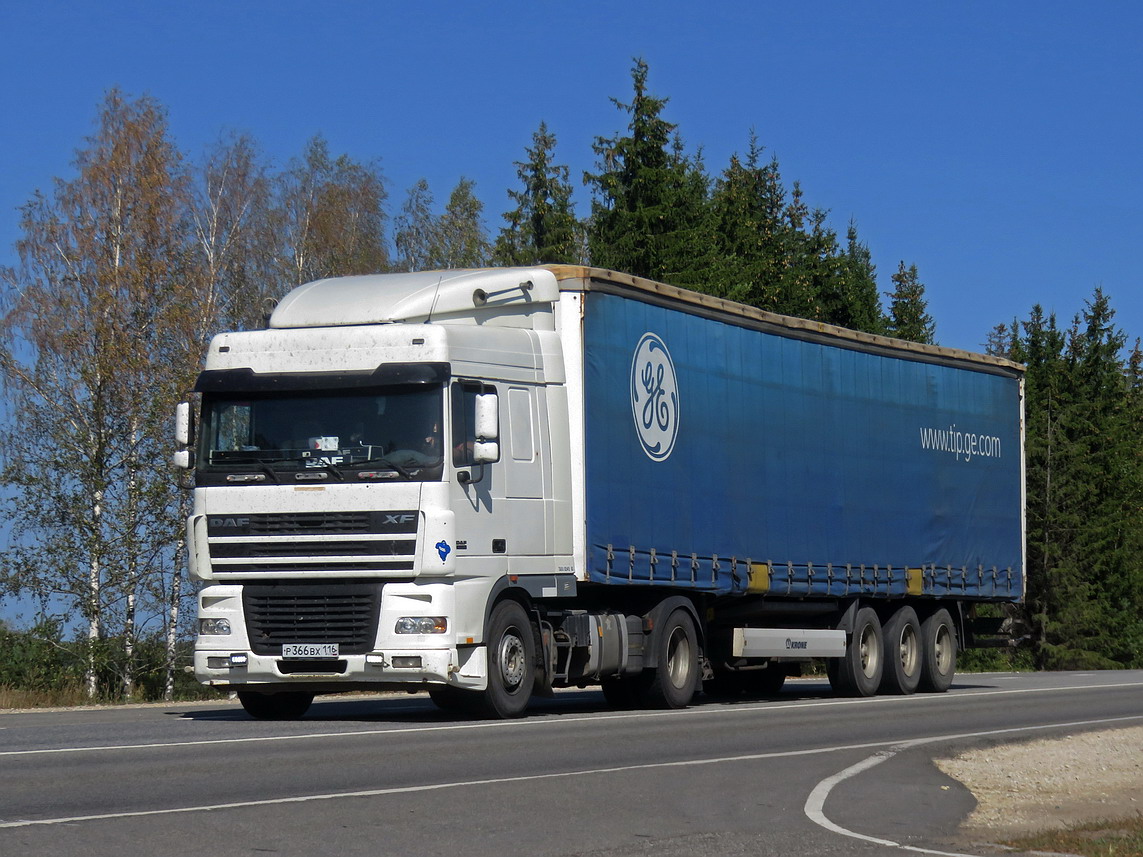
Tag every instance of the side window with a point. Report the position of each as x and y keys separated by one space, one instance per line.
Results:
x=464 y=395
x=520 y=424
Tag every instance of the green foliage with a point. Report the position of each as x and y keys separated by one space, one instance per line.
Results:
x=908 y=314
x=40 y=664
x=772 y=252
x=1085 y=490
x=648 y=215
x=457 y=239
x=543 y=226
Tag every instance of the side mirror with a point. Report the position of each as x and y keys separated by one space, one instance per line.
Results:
x=183 y=424
x=486 y=450
x=183 y=459
x=487 y=416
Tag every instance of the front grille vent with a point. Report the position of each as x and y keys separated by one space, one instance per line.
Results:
x=330 y=612
x=321 y=542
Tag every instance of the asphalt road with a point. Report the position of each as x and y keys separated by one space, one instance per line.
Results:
x=800 y=774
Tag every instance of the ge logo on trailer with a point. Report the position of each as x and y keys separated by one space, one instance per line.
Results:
x=654 y=397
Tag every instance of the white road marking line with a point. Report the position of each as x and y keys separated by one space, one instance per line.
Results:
x=895 y=747
x=541 y=722
x=815 y=803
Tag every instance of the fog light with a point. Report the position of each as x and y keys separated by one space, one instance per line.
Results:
x=239 y=659
x=409 y=662
x=421 y=625
x=214 y=627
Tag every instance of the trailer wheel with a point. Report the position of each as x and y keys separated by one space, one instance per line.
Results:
x=858 y=671
x=511 y=661
x=674 y=681
x=938 y=652
x=902 y=671
x=275 y=706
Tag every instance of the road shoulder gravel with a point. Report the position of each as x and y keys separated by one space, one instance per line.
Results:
x=1035 y=786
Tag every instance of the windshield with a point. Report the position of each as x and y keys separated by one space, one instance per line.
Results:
x=380 y=433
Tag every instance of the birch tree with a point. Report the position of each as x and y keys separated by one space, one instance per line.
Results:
x=90 y=342
x=329 y=214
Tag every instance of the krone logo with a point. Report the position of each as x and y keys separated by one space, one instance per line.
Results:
x=654 y=397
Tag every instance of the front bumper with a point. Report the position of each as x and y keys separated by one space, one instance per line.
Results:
x=408 y=668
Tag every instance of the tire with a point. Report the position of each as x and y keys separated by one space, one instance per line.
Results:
x=672 y=684
x=511 y=662
x=902 y=670
x=858 y=672
x=275 y=706
x=938 y=652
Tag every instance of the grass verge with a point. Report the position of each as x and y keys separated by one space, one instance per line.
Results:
x=1117 y=838
x=63 y=697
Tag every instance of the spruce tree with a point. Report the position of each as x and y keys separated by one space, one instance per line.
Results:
x=852 y=299
x=543 y=226
x=648 y=211
x=908 y=310
x=1085 y=492
x=749 y=232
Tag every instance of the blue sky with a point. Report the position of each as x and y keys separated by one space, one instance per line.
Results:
x=994 y=145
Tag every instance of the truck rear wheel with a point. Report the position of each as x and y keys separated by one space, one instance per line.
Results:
x=275 y=706
x=902 y=671
x=858 y=671
x=674 y=680
x=511 y=661
x=938 y=652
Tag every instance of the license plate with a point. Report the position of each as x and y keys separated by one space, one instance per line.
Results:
x=309 y=651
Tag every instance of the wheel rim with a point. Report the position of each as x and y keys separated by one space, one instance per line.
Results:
x=679 y=657
x=909 y=650
x=943 y=649
x=512 y=658
x=870 y=652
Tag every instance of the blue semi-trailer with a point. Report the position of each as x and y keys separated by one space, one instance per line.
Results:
x=522 y=479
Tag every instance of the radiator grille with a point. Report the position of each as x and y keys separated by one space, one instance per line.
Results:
x=331 y=612
x=321 y=542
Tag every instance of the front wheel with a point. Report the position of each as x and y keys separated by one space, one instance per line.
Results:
x=275 y=706
x=511 y=661
x=674 y=680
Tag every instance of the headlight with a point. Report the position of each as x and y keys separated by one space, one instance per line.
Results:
x=421 y=625
x=214 y=627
